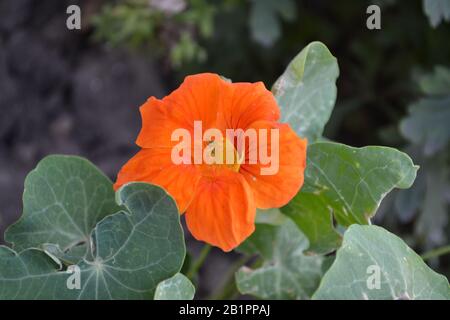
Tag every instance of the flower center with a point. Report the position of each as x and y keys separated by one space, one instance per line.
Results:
x=222 y=153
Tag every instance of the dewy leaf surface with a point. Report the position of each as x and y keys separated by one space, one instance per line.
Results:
x=368 y=251
x=306 y=91
x=287 y=273
x=178 y=287
x=64 y=198
x=134 y=252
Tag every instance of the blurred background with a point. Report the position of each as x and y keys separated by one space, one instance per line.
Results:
x=78 y=91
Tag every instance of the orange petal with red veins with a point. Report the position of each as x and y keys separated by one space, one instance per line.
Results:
x=273 y=191
x=157 y=125
x=156 y=167
x=250 y=102
x=199 y=98
x=222 y=212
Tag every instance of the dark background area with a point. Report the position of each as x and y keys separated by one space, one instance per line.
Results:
x=78 y=91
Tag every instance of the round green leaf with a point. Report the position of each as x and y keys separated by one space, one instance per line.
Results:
x=176 y=288
x=353 y=181
x=64 y=198
x=133 y=252
x=375 y=264
x=348 y=183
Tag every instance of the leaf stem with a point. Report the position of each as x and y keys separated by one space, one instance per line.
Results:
x=436 y=252
x=193 y=270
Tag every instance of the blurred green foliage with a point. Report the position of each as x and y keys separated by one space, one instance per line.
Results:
x=265 y=22
x=170 y=27
x=427 y=130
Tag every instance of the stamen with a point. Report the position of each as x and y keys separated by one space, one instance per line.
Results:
x=223 y=153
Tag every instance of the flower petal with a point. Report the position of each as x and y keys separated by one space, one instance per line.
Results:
x=157 y=125
x=273 y=191
x=199 y=98
x=250 y=102
x=223 y=210
x=156 y=167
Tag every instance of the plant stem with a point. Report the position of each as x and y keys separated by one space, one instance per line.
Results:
x=199 y=262
x=436 y=252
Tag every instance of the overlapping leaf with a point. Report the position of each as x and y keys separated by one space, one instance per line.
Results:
x=370 y=254
x=287 y=273
x=134 y=251
x=270 y=216
x=64 y=198
x=347 y=183
x=314 y=217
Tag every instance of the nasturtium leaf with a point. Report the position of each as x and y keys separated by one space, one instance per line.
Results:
x=270 y=216
x=176 y=288
x=306 y=91
x=261 y=242
x=314 y=216
x=428 y=119
x=353 y=181
x=437 y=11
x=68 y=257
x=348 y=183
x=134 y=250
x=287 y=273
x=370 y=254
x=64 y=198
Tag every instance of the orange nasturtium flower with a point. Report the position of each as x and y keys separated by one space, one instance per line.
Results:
x=219 y=199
